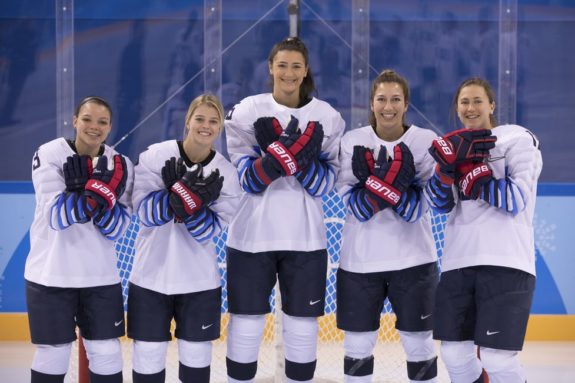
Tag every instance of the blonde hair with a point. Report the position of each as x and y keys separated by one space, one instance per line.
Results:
x=204 y=99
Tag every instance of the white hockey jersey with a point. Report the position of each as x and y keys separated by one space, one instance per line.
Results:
x=79 y=255
x=284 y=216
x=168 y=258
x=478 y=233
x=386 y=241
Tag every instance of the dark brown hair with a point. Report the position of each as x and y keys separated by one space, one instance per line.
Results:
x=388 y=75
x=479 y=82
x=95 y=100
x=295 y=44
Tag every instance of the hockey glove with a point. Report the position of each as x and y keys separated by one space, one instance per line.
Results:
x=106 y=186
x=192 y=191
x=77 y=171
x=401 y=172
x=209 y=188
x=267 y=130
x=390 y=179
x=472 y=178
x=463 y=145
x=362 y=163
x=307 y=147
x=172 y=171
x=281 y=162
x=379 y=193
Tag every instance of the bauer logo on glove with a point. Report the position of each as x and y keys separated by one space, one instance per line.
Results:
x=445 y=147
x=473 y=179
x=384 y=191
x=106 y=185
x=287 y=160
x=103 y=190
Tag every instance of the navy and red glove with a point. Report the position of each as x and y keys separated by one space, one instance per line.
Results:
x=362 y=163
x=279 y=150
x=291 y=152
x=77 y=171
x=281 y=162
x=106 y=186
x=461 y=146
x=173 y=171
x=192 y=192
x=267 y=130
x=390 y=179
x=307 y=147
x=472 y=177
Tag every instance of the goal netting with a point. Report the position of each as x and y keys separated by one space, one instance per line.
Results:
x=390 y=363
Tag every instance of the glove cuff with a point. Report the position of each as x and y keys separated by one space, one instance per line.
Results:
x=445 y=174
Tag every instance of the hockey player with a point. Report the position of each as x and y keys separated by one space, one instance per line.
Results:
x=184 y=194
x=284 y=145
x=71 y=275
x=387 y=245
x=488 y=264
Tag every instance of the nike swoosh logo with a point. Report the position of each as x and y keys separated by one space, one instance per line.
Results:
x=311 y=303
x=206 y=327
x=425 y=316
x=493 y=159
x=492 y=332
x=118 y=323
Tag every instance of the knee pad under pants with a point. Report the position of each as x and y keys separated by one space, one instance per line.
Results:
x=300 y=338
x=104 y=356
x=195 y=354
x=359 y=345
x=149 y=357
x=502 y=366
x=244 y=336
x=418 y=345
x=460 y=359
x=300 y=347
x=52 y=359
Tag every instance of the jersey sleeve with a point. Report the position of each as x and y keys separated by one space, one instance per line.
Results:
x=113 y=223
x=345 y=178
x=440 y=196
x=59 y=208
x=523 y=164
x=150 y=196
x=352 y=193
x=243 y=147
x=211 y=220
x=413 y=204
